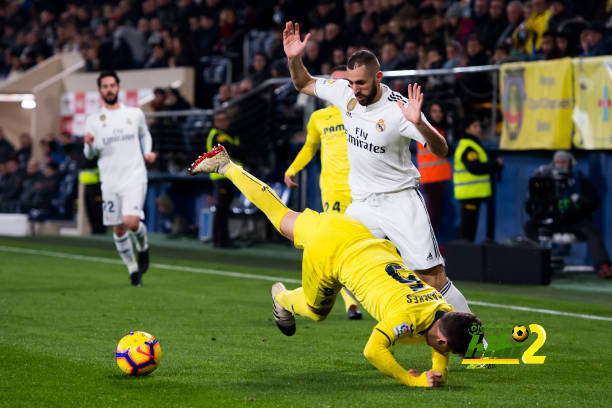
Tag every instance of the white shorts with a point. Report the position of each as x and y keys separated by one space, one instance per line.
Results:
x=116 y=205
x=402 y=218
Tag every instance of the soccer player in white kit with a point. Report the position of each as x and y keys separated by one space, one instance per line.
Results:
x=119 y=135
x=384 y=182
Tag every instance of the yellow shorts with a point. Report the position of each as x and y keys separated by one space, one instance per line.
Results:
x=336 y=201
x=324 y=237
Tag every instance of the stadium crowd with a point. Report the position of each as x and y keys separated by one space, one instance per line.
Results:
x=44 y=189
x=404 y=34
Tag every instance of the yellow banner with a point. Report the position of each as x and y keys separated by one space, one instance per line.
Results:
x=592 y=110
x=536 y=99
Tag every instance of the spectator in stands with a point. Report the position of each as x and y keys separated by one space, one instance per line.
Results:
x=514 y=17
x=410 y=55
x=565 y=45
x=181 y=55
x=476 y=87
x=501 y=54
x=325 y=12
x=567 y=205
x=472 y=177
x=12 y=184
x=454 y=26
x=479 y=18
x=6 y=147
x=354 y=18
x=231 y=33
x=549 y=46
x=430 y=34
x=25 y=150
x=598 y=40
x=224 y=95
x=51 y=149
x=39 y=190
x=365 y=33
x=312 y=58
x=536 y=25
x=158 y=58
x=224 y=189
x=391 y=58
x=133 y=38
x=332 y=38
x=494 y=25
x=259 y=71
x=175 y=101
x=558 y=14
x=159 y=99
x=204 y=34
x=172 y=223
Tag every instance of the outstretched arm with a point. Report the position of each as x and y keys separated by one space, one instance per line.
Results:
x=412 y=112
x=294 y=48
x=377 y=352
x=304 y=156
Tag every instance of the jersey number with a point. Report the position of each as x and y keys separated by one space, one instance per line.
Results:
x=108 y=206
x=335 y=207
x=403 y=275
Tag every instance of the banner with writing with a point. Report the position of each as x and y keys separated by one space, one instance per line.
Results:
x=592 y=90
x=536 y=98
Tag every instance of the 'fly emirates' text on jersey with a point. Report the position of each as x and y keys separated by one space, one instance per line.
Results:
x=121 y=138
x=378 y=137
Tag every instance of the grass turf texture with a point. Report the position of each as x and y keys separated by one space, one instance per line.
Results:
x=60 y=320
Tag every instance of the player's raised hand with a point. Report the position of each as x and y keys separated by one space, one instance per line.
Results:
x=150 y=157
x=292 y=43
x=290 y=182
x=88 y=139
x=412 y=109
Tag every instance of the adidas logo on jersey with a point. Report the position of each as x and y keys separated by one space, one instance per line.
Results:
x=429 y=257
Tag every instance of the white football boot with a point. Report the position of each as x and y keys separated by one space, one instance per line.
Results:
x=284 y=319
x=215 y=161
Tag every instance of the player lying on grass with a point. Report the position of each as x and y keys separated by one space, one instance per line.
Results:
x=339 y=251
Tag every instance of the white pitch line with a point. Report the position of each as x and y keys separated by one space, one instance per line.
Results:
x=545 y=311
x=207 y=271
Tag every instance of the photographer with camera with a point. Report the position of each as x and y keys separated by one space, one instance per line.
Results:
x=562 y=200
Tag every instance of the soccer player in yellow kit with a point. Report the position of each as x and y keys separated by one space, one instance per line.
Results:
x=326 y=129
x=339 y=251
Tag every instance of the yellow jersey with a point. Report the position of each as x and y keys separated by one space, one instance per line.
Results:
x=340 y=251
x=326 y=129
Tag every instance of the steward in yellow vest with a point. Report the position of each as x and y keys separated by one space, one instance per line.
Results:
x=472 y=178
x=224 y=190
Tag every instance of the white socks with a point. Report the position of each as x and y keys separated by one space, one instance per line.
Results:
x=141 y=241
x=454 y=297
x=456 y=300
x=126 y=250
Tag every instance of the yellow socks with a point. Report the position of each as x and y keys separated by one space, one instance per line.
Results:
x=348 y=299
x=258 y=193
x=295 y=302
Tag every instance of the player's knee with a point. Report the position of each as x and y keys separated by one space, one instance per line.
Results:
x=131 y=223
x=119 y=230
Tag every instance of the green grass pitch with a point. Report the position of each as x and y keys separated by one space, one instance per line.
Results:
x=61 y=318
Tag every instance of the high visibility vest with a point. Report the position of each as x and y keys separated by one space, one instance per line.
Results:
x=432 y=168
x=89 y=176
x=468 y=185
x=217 y=136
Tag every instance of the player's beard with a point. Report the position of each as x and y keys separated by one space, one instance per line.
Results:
x=371 y=95
x=110 y=100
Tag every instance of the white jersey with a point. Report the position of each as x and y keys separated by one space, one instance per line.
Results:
x=121 y=138
x=378 y=137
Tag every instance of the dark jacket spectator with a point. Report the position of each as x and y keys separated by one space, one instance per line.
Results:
x=6 y=148
x=39 y=189
x=11 y=186
x=25 y=150
x=599 y=42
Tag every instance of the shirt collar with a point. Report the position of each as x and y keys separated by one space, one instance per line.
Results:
x=438 y=315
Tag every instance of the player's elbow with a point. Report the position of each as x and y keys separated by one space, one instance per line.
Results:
x=442 y=150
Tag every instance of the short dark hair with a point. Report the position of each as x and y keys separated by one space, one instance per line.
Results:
x=338 y=68
x=456 y=326
x=105 y=74
x=364 y=57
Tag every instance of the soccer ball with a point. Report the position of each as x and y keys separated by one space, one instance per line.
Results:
x=520 y=333
x=138 y=353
